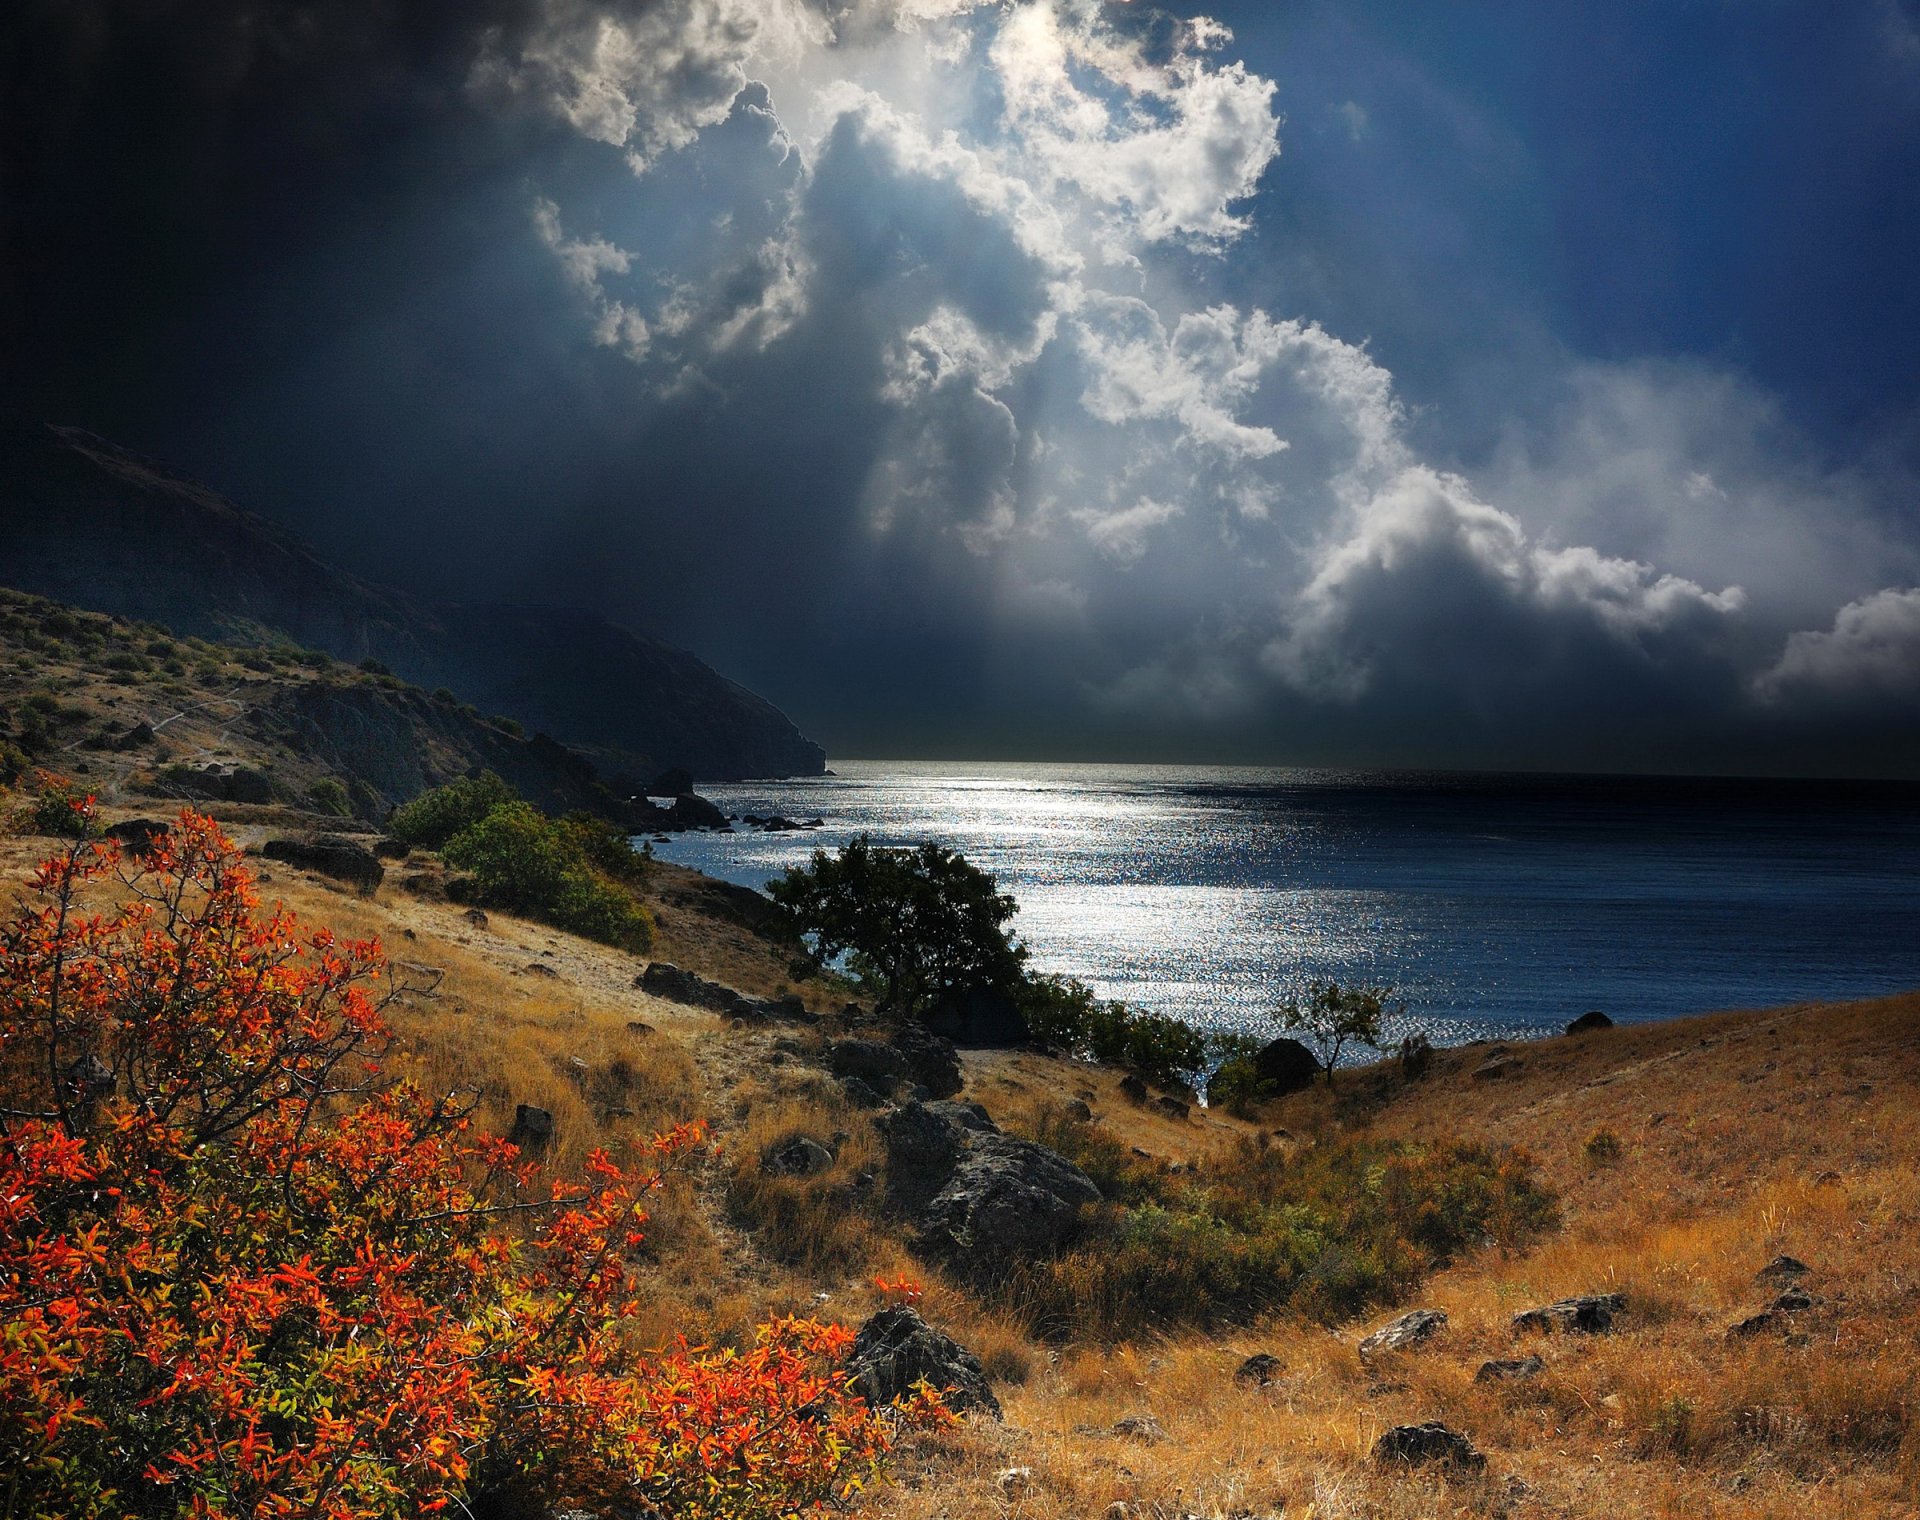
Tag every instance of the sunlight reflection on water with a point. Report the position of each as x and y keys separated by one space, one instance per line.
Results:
x=1496 y=908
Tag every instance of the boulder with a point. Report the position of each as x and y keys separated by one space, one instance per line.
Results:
x=331 y=855
x=391 y=849
x=1258 y=1370
x=1286 y=1065
x=1782 y=1269
x=691 y=811
x=1794 y=1300
x=896 y=1349
x=1589 y=1314
x=1513 y=1370
x=1754 y=1324
x=1414 y=1445
x=1589 y=1021
x=1173 y=1108
x=931 y=1061
x=137 y=737
x=1134 y=1089
x=532 y=1128
x=663 y=979
x=476 y=917
x=1139 y=1427
x=798 y=1157
x=1410 y=1329
x=1008 y=1201
x=1079 y=1110
x=879 y=1065
x=1496 y=1069
x=860 y=1094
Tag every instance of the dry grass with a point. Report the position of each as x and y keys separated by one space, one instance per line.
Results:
x=1739 y=1136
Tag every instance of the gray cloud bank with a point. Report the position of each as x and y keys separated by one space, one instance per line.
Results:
x=890 y=352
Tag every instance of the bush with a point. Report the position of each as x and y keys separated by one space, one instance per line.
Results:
x=1064 y=1012
x=60 y=808
x=429 y=821
x=526 y=863
x=327 y=795
x=1603 y=1148
x=1330 y=1232
x=243 y=1275
x=914 y=925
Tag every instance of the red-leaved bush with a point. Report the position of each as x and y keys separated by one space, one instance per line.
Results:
x=243 y=1275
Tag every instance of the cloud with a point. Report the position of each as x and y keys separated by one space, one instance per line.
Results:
x=1869 y=661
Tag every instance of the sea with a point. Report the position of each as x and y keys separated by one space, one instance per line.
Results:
x=1494 y=905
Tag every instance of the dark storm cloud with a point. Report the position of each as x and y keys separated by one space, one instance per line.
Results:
x=879 y=352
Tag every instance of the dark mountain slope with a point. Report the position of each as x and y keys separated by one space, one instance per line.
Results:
x=88 y=523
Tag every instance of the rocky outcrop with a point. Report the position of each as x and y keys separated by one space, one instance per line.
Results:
x=1257 y=1370
x=662 y=979
x=980 y=1200
x=1590 y=1021
x=798 y=1157
x=932 y=1062
x=1509 y=1370
x=897 y=1349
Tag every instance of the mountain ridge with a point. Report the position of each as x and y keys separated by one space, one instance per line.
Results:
x=87 y=522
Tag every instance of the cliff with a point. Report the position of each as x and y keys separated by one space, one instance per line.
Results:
x=88 y=523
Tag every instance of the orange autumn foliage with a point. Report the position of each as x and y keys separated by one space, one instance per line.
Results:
x=243 y=1275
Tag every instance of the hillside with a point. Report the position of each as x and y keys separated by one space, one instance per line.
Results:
x=1684 y=1157
x=85 y=522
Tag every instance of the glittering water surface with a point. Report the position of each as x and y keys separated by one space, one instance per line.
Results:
x=1495 y=904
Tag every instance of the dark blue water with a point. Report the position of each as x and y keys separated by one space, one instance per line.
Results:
x=1494 y=904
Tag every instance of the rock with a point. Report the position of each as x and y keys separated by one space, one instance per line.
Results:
x=897 y=1348
x=677 y=782
x=1008 y=1201
x=477 y=918
x=924 y=1145
x=1753 y=1324
x=391 y=849
x=1590 y=1314
x=1827 y=1179
x=691 y=811
x=857 y=1092
x=798 y=1157
x=931 y=1060
x=1014 y=1482
x=1782 y=1269
x=639 y=1027
x=879 y=1065
x=1496 y=1069
x=331 y=855
x=1286 y=1065
x=663 y=979
x=1410 y=1329
x=532 y=1128
x=138 y=835
x=1414 y=1445
x=1139 y=1427
x=1134 y=1089
x=1589 y=1021
x=1514 y=1370
x=1795 y=1301
x=137 y=737
x=539 y=968
x=980 y=1016
x=1173 y=1108
x=1078 y=1109
x=1258 y=1370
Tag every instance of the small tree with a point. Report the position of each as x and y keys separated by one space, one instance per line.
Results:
x=1335 y=1017
x=913 y=924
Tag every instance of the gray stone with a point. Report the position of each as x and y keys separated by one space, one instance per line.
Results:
x=1008 y=1201
x=330 y=855
x=1590 y=1021
x=1409 y=1330
x=798 y=1157
x=1783 y=1269
x=1415 y=1445
x=1589 y=1314
x=1258 y=1370
x=931 y=1060
x=896 y=1349
x=1078 y=1109
x=532 y=1128
x=879 y=1065
x=1511 y=1370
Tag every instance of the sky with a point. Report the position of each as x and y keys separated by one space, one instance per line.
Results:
x=1383 y=382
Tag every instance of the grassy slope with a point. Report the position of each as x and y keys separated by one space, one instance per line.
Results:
x=1729 y=1126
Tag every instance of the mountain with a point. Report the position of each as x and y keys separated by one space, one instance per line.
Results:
x=89 y=523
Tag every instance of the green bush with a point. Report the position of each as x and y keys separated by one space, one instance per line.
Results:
x=429 y=821
x=61 y=808
x=1064 y=1012
x=526 y=863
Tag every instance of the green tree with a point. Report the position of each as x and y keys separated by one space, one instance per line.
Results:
x=1334 y=1017
x=432 y=819
x=914 y=924
x=526 y=863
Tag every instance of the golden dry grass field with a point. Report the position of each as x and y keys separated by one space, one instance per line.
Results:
x=1685 y=1156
